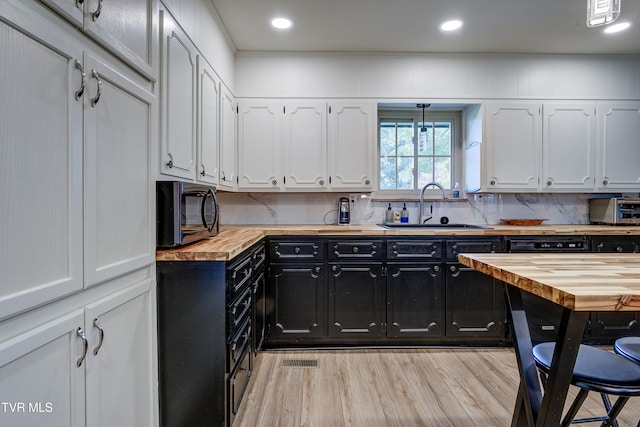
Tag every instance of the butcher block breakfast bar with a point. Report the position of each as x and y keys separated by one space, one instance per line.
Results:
x=579 y=283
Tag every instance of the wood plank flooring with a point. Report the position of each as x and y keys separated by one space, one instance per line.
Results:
x=434 y=387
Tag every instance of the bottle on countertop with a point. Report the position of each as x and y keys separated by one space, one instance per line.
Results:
x=456 y=191
x=404 y=215
x=388 y=216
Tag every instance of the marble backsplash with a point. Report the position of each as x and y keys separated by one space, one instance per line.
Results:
x=321 y=208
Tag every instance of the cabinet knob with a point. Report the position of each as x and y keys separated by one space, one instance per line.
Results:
x=620 y=249
x=296 y=250
x=321 y=182
x=493 y=182
x=436 y=268
x=203 y=173
x=367 y=182
x=605 y=182
x=355 y=250
x=334 y=268
x=317 y=269
x=274 y=182
x=549 y=183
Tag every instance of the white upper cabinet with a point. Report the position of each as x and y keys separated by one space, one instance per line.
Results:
x=228 y=140
x=122 y=26
x=618 y=147
x=568 y=147
x=514 y=132
x=351 y=145
x=259 y=147
x=208 y=129
x=40 y=160
x=118 y=195
x=305 y=145
x=178 y=104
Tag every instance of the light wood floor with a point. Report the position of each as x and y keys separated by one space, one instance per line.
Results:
x=434 y=387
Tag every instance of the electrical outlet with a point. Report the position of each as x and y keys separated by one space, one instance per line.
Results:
x=353 y=198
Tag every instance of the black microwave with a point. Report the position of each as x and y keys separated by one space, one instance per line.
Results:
x=185 y=213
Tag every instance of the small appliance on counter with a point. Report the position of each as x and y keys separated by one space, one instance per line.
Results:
x=344 y=211
x=185 y=213
x=614 y=211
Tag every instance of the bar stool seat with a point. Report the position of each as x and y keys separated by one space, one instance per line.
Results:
x=595 y=370
x=628 y=347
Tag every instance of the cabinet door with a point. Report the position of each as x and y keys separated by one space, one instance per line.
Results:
x=120 y=369
x=40 y=159
x=415 y=300
x=122 y=26
x=259 y=146
x=356 y=303
x=514 y=133
x=351 y=145
x=207 y=137
x=41 y=383
x=118 y=234
x=228 y=119
x=475 y=304
x=619 y=149
x=305 y=145
x=568 y=147
x=299 y=304
x=178 y=131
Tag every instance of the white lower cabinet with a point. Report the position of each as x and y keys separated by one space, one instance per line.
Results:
x=66 y=372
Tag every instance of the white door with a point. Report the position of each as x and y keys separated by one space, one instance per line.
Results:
x=514 y=133
x=618 y=146
x=40 y=161
x=207 y=135
x=305 y=145
x=178 y=121
x=568 y=147
x=259 y=145
x=120 y=369
x=228 y=140
x=118 y=234
x=351 y=145
x=42 y=375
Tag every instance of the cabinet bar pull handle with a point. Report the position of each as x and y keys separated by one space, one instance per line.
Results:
x=97 y=348
x=95 y=15
x=83 y=84
x=96 y=98
x=83 y=337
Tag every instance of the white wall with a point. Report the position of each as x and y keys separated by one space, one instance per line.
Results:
x=437 y=76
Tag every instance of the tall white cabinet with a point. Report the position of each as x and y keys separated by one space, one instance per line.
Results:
x=77 y=228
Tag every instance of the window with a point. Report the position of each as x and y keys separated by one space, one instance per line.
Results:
x=414 y=153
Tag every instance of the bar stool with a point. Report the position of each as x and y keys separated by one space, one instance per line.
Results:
x=595 y=370
x=628 y=347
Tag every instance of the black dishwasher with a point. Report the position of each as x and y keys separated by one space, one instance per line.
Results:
x=544 y=316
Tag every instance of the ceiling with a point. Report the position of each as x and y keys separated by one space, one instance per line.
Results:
x=491 y=26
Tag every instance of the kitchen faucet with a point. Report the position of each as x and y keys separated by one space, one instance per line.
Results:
x=421 y=214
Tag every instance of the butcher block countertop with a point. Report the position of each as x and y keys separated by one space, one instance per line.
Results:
x=581 y=282
x=233 y=240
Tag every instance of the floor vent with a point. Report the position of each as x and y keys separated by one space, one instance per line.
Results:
x=299 y=363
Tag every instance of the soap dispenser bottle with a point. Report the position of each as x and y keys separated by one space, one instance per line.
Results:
x=404 y=215
x=388 y=216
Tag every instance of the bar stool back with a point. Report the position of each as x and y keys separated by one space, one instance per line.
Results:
x=628 y=347
x=595 y=370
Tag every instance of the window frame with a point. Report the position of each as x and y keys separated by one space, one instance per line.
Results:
x=415 y=115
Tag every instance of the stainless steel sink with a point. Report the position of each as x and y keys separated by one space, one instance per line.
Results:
x=432 y=225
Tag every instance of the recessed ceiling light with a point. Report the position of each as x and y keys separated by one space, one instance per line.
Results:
x=281 y=23
x=452 y=25
x=617 y=27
